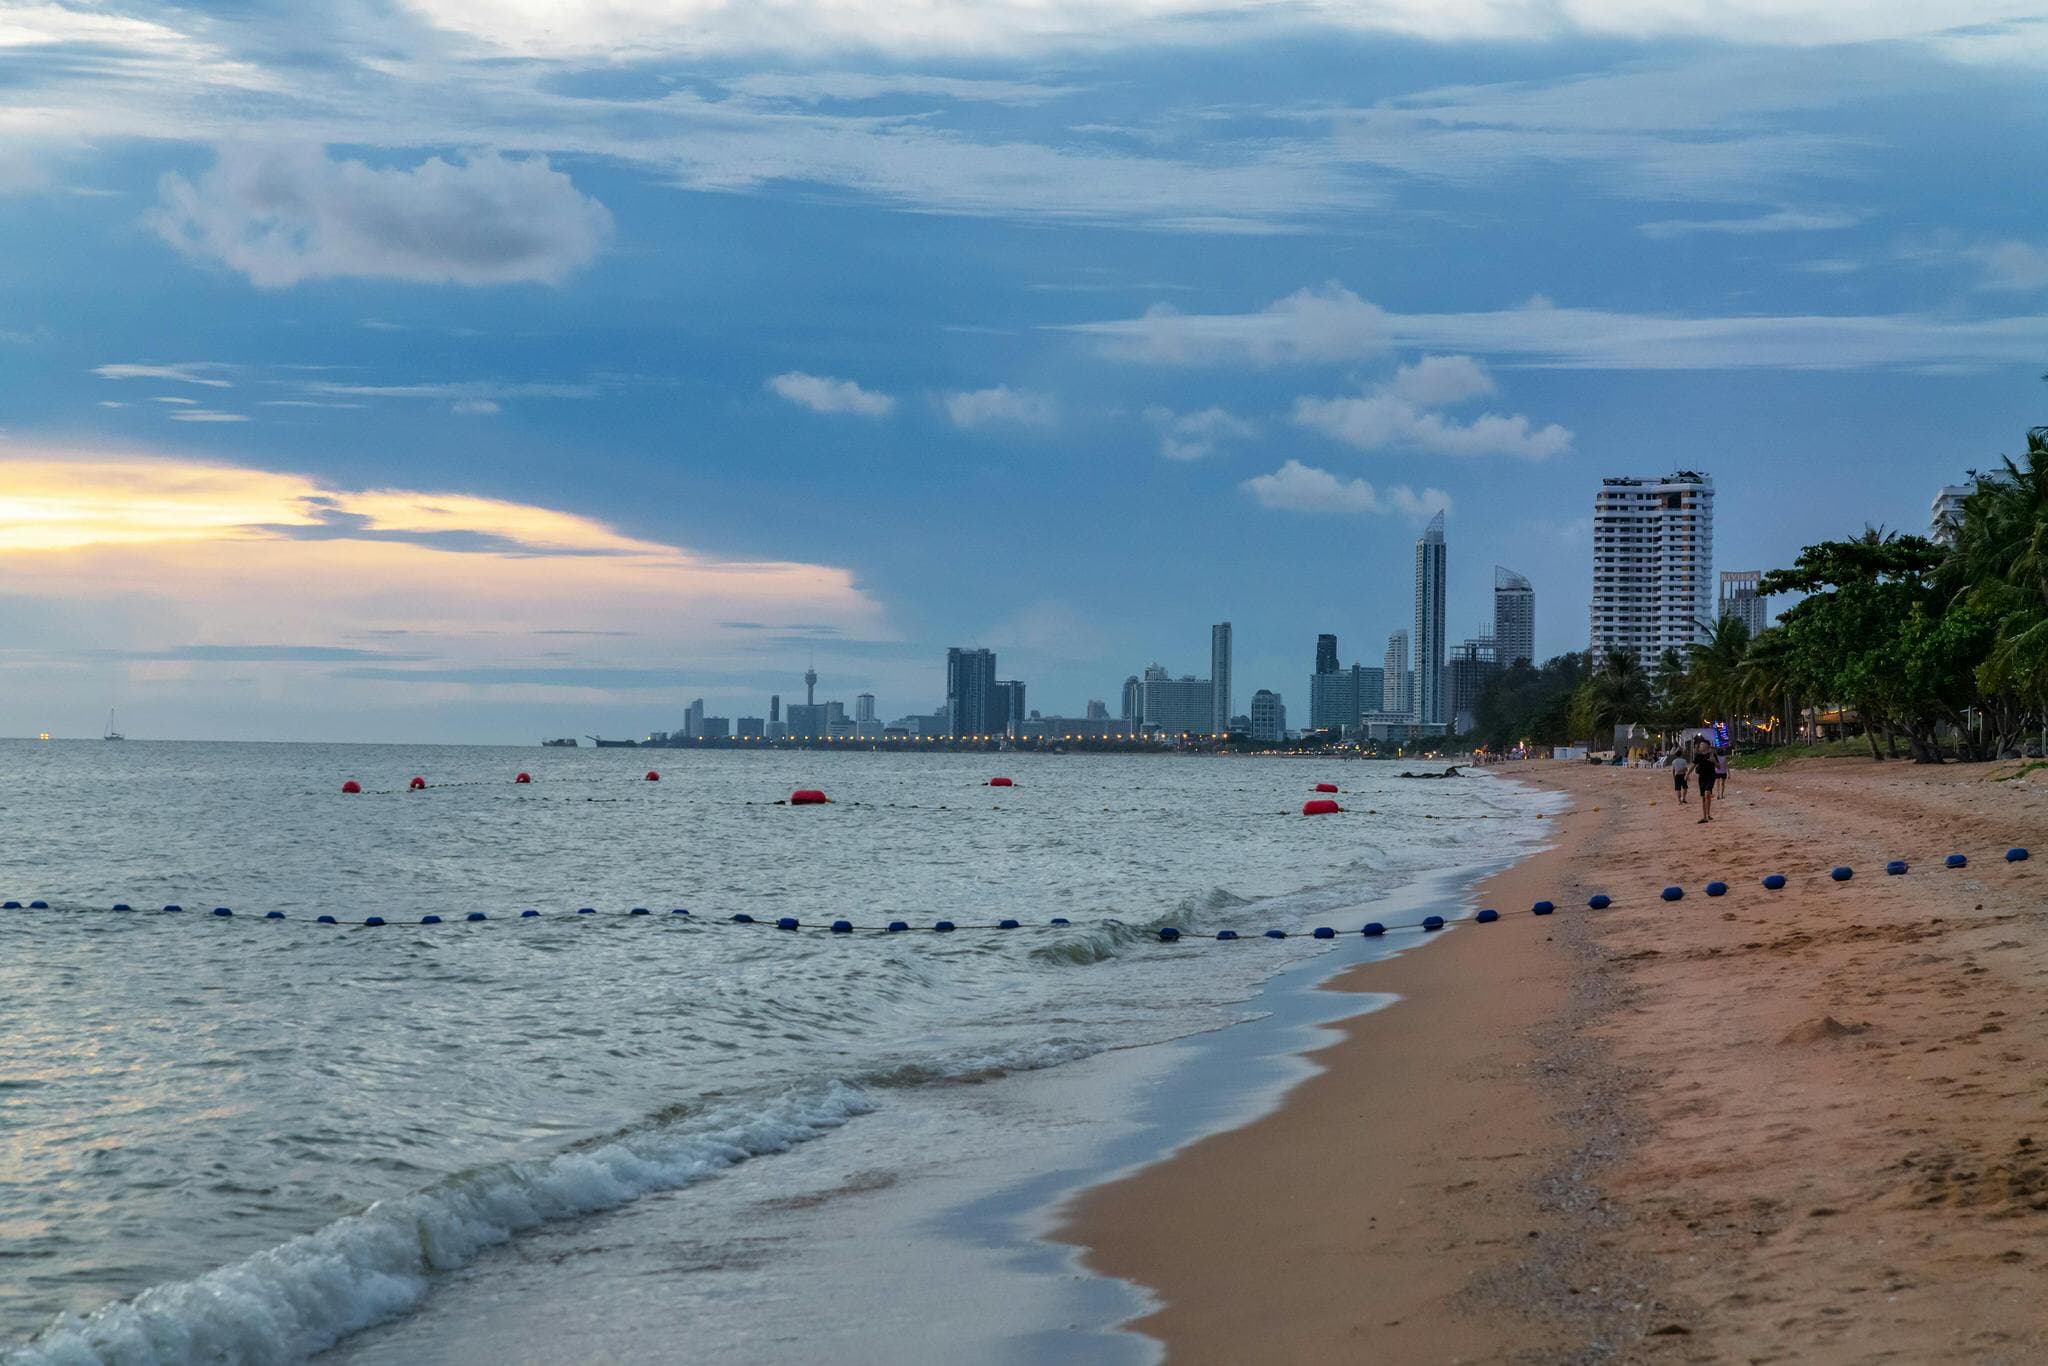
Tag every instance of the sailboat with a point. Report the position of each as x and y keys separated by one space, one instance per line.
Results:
x=112 y=734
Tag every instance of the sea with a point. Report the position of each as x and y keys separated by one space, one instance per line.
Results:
x=609 y=1136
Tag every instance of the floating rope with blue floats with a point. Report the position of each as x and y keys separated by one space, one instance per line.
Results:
x=1167 y=934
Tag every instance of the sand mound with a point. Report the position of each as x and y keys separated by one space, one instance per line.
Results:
x=1816 y=1031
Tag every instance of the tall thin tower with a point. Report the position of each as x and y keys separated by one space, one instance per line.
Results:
x=1219 y=677
x=811 y=686
x=1429 y=623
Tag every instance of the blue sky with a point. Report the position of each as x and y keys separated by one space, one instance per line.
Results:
x=463 y=370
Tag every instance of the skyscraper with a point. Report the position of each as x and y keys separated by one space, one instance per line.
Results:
x=1010 y=706
x=1429 y=622
x=1514 y=618
x=1394 y=698
x=1653 y=563
x=1739 y=599
x=1269 y=716
x=1219 y=676
x=971 y=691
x=1133 y=699
x=863 y=707
x=1947 y=510
x=1326 y=654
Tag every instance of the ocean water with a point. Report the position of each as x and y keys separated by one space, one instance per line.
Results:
x=232 y=1139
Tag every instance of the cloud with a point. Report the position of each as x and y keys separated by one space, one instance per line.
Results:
x=1398 y=413
x=455 y=391
x=820 y=87
x=1543 y=334
x=1296 y=487
x=206 y=415
x=285 y=214
x=1192 y=436
x=823 y=394
x=1001 y=405
x=1784 y=220
x=174 y=398
x=2018 y=266
x=1437 y=381
x=191 y=372
x=476 y=407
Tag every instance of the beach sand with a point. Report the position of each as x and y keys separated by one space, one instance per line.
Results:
x=1805 y=1125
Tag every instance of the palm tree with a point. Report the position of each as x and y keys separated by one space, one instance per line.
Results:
x=1719 y=684
x=1617 y=691
x=1769 y=667
x=2000 y=560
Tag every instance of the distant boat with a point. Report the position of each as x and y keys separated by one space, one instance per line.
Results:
x=614 y=744
x=568 y=742
x=112 y=734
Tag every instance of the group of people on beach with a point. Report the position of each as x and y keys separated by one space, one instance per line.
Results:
x=1706 y=763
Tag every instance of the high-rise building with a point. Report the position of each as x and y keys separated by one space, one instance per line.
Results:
x=1134 y=705
x=863 y=707
x=1219 y=677
x=693 y=721
x=1098 y=710
x=748 y=728
x=1010 y=707
x=1269 y=716
x=1947 y=512
x=1514 y=618
x=774 y=709
x=1465 y=675
x=1326 y=654
x=1394 y=696
x=1653 y=563
x=1336 y=700
x=1176 y=706
x=1740 y=599
x=971 y=692
x=1429 y=622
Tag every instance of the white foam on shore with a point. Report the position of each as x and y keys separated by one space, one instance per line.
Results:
x=303 y=1296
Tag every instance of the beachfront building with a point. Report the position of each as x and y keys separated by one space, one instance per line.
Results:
x=1395 y=699
x=1947 y=511
x=748 y=728
x=1470 y=664
x=1653 y=564
x=1428 y=701
x=1337 y=699
x=1326 y=654
x=1514 y=617
x=1219 y=677
x=1740 y=599
x=1009 y=705
x=1175 y=706
x=971 y=692
x=1269 y=717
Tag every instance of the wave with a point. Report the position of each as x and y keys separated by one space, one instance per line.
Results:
x=304 y=1296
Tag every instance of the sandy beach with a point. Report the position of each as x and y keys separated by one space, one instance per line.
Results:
x=1797 y=1125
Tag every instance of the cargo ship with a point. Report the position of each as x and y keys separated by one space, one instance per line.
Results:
x=567 y=742
x=614 y=744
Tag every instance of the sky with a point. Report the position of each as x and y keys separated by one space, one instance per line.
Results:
x=484 y=370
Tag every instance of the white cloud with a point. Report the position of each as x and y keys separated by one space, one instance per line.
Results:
x=1783 y=220
x=1324 y=324
x=823 y=394
x=819 y=87
x=1002 y=405
x=476 y=407
x=1397 y=413
x=458 y=391
x=1436 y=381
x=1192 y=436
x=284 y=214
x=173 y=398
x=191 y=372
x=2014 y=265
x=206 y=415
x=1296 y=487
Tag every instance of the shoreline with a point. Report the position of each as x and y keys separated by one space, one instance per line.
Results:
x=1692 y=1132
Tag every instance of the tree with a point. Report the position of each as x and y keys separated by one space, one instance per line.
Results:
x=1718 y=683
x=1616 y=692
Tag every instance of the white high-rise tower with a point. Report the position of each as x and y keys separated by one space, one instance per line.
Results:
x=1653 y=564
x=1429 y=623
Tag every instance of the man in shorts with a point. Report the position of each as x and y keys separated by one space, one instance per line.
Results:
x=1680 y=767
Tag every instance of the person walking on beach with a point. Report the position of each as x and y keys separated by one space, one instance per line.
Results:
x=1703 y=764
x=1679 y=767
x=1720 y=772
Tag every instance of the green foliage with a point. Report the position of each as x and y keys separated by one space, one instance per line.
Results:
x=1528 y=702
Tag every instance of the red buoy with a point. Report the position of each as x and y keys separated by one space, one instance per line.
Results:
x=523 y=778
x=417 y=783
x=808 y=796
x=1321 y=806
x=652 y=776
x=1000 y=782
x=1326 y=787
x=351 y=786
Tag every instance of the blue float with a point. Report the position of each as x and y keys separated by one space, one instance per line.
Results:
x=842 y=927
x=638 y=910
x=273 y=915
x=222 y=910
x=373 y=920
x=1841 y=872
x=10 y=905
x=1599 y=901
x=1487 y=917
x=1324 y=932
x=1673 y=894
x=1717 y=888
x=898 y=926
x=474 y=916
x=1774 y=882
x=1896 y=867
x=1956 y=861
x=1006 y=924
x=1432 y=922
x=742 y=918
x=1059 y=920
x=173 y=909
x=679 y=911
x=586 y=910
x=944 y=926
x=325 y=920
x=1373 y=929
x=787 y=922
x=2015 y=855
x=39 y=905
x=529 y=915
x=430 y=920
x=1168 y=935
x=1542 y=908
x=122 y=906
x=1226 y=934
x=1276 y=934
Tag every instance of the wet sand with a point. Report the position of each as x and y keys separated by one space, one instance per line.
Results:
x=1805 y=1125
